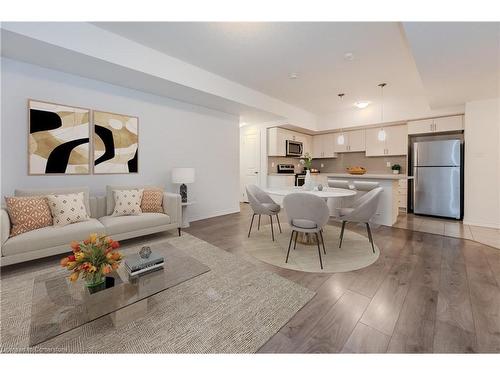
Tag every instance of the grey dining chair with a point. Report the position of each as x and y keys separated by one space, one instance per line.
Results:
x=362 y=211
x=262 y=204
x=306 y=213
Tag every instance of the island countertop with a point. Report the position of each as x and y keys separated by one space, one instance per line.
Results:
x=370 y=176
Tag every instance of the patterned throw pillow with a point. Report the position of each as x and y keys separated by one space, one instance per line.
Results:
x=127 y=202
x=28 y=213
x=67 y=208
x=152 y=201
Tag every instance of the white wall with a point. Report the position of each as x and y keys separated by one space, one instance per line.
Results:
x=171 y=134
x=482 y=163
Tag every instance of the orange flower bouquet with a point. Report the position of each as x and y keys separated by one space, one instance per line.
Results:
x=93 y=258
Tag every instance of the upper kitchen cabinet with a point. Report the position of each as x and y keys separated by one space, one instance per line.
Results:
x=436 y=125
x=276 y=141
x=277 y=137
x=322 y=146
x=350 y=141
x=387 y=141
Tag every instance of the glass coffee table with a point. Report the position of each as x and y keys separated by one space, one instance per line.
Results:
x=59 y=305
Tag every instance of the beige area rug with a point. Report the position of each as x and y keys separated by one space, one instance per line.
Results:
x=356 y=251
x=233 y=308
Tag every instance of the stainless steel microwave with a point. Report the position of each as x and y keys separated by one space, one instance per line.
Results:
x=294 y=148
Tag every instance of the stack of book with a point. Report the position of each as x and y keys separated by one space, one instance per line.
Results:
x=136 y=265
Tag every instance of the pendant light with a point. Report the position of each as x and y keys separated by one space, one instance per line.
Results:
x=341 y=138
x=381 y=133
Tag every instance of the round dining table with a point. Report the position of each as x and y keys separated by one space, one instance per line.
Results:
x=326 y=193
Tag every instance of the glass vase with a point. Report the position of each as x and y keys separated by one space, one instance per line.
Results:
x=95 y=282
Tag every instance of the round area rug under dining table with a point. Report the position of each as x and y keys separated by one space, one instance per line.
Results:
x=356 y=251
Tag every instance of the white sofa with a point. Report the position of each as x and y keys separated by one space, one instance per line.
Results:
x=48 y=241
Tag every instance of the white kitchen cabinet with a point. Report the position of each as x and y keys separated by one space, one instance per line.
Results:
x=354 y=141
x=447 y=124
x=436 y=125
x=402 y=194
x=323 y=145
x=277 y=137
x=276 y=142
x=395 y=141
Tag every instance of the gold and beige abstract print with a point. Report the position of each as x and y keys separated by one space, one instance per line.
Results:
x=115 y=143
x=58 y=139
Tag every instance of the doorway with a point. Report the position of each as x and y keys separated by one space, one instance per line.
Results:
x=250 y=154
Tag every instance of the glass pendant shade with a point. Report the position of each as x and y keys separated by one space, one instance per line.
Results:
x=381 y=135
x=340 y=139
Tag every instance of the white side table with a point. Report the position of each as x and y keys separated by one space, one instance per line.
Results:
x=185 y=220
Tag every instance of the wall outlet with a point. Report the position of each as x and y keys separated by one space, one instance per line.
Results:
x=322 y=165
x=272 y=164
x=388 y=164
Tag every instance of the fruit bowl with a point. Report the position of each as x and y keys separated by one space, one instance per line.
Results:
x=356 y=170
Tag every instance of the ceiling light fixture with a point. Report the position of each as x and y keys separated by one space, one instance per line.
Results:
x=381 y=133
x=362 y=104
x=348 y=56
x=293 y=76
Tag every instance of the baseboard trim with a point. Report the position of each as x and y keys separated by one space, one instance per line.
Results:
x=215 y=214
x=486 y=225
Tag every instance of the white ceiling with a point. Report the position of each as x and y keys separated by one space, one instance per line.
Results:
x=458 y=61
x=262 y=55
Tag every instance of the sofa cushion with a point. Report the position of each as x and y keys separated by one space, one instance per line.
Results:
x=67 y=208
x=110 y=200
x=28 y=213
x=127 y=202
x=152 y=201
x=123 y=224
x=51 y=237
x=44 y=192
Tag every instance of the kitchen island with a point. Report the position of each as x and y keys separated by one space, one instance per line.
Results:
x=388 y=208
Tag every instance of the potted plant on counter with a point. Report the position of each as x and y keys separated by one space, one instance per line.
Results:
x=396 y=169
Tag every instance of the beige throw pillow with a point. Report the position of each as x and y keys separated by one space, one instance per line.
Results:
x=127 y=202
x=27 y=214
x=152 y=201
x=67 y=208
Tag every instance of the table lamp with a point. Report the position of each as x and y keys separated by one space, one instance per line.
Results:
x=183 y=176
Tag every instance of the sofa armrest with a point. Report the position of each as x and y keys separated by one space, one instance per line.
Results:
x=5 y=226
x=172 y=207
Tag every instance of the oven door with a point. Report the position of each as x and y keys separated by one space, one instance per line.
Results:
x=300 y=180
x=294 y=148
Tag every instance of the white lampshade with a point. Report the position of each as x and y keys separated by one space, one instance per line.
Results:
x=183 y=175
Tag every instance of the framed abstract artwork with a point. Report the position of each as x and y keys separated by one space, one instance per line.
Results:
x=58 y=139
x=116 y=143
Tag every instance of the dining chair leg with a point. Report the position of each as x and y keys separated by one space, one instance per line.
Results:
x=251 y=223
x=258 y=225
x=322 y=240
x=319 y=251
x=279 y=225
x=295 y=244
x=342 y=233
x=272 y=229
x=289 y=245
x=370 y=238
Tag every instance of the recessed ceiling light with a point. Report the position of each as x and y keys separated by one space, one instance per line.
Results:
x=362 y=104
x=293 y=76
x=349 y=56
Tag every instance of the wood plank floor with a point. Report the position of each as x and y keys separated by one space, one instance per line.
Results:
x=426 y=293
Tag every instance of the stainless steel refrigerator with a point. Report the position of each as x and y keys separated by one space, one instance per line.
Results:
x=437 y=178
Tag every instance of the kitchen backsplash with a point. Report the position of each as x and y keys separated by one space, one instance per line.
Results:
x=343 y=161
x=355 y=159
x=282 y=160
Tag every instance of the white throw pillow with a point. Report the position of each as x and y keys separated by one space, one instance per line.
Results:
x=67 y=208
x=127 y=202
